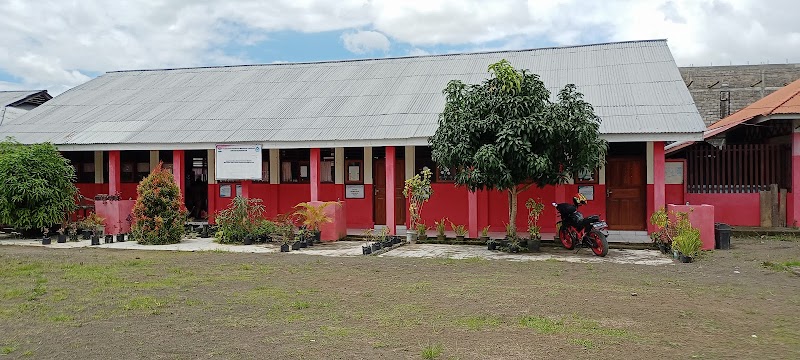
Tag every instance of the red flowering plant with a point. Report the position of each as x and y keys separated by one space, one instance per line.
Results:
x=159 y=215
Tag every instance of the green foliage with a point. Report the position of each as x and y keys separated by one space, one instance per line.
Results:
x=669 y=226
x=36 y=185
x=485 y=232
x=505 y=132
x=418 y=190
x=158 y=214
x=688 y=242
x=431 y=352
x=535 y=209
x=313 y=216
x=265 y=227
x=239 y=219
x=441 y=226
x=421 y=229
x=460 y=230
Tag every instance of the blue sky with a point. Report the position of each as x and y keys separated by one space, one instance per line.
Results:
x=56 y=44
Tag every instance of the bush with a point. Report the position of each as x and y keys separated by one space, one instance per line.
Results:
x=239 y=219
x=159 y=215
x=36 y=185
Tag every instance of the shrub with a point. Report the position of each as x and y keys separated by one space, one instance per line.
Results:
x=159 y=215
x=36 y=185
x=313 y=216
x=239 y=219
x=688 y=242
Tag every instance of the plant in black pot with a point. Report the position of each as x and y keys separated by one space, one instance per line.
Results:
x=366 y=249
x=688 y=244
x=248 y=239
x=485 y=235
x=440 y=228
x=535 y=209
x=491 y=244
x=285 y=241
x=45 y=236
x=62 y=236
x=422 y=232
x=313 y=216
x=72 y=231
x=461 y=232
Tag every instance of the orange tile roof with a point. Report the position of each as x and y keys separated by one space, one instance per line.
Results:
x=784 y=101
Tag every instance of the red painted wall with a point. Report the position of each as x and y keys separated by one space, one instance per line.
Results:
x=447 y=201
x=674 y=194
x=732 y=209
x=89 y=190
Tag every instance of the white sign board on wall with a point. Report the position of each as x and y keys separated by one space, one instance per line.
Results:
x=673 y=172
x=238 y=162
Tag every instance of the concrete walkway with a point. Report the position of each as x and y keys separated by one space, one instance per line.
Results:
x=353 y=248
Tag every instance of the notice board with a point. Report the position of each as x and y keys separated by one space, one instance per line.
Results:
x=238 y=162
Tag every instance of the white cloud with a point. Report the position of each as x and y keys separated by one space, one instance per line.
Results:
x=360 y=42
x=58 y=44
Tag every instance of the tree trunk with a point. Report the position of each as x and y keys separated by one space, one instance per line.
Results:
x=512 y=211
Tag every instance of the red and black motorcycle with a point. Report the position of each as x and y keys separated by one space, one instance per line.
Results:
x=575 y=230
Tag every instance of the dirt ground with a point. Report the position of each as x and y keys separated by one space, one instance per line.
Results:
x=126 y=304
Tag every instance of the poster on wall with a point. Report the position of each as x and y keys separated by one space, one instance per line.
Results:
x=587 y=190
x=354 y=191
x=238 y=162
x=673 y=172
x=224 y=191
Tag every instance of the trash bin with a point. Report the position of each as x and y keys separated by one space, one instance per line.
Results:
x=722 y=236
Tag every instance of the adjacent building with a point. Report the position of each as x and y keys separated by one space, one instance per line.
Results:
x=16 y=103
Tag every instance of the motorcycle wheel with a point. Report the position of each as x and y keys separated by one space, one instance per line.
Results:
x=599 y=243
x=566 y=238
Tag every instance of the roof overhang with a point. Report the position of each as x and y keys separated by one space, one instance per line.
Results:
x=346 y=143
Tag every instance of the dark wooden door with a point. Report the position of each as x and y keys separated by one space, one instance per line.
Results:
x=626 y=189
x=379 y=179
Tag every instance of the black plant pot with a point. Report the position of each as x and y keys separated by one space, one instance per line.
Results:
x=46 y=240
x=523 y=243
x=62 y=238
x=109 y=239
x=491 y=245
x=248 y=240
x=285 y=248
x=310 y=241
x=120 y=237
x=685 y=259
x=318 y=236
x=204 y=232
x=303 y=243
x=366 y=250
x=86 y=234
x=534 y=245
x=296 y=245
x=387 y=243
x=440 y=238
x=459 y=238
x=376 y=247
x=95 y=240
x=74 y=238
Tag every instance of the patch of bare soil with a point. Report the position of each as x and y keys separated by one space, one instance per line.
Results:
x=98 y=303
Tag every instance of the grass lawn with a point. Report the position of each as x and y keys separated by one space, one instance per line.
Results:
x=125 y=304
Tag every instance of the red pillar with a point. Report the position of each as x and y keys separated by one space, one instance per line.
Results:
x=246 y=188
x=314 y=176
x=114 y=180
x=659 y=189
x=795 y=215
x=472 y=204
x=390 y=191
x=178 y=171
x=212 y=202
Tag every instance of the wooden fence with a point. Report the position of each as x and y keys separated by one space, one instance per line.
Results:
x=746 y=168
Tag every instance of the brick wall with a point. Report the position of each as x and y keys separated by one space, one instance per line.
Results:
x=744 y=84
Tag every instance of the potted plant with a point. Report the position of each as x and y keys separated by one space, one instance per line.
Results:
x=669 y=229
x=422 y=232
x=285 y=241
x=460 y=230
x=296 y=243
x=366 y=249
x=485 y=234
x=313 y=216
x=95 y=236
x=73 y=232
x=535 y=209
x=120 y=237
x=62 y=236
x=688 y=244
x=491 y=244
x=440 y=228
x=418 y=191
x=45 y=236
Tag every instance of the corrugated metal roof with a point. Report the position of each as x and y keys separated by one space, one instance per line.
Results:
x=635 y=88
x=10 y=97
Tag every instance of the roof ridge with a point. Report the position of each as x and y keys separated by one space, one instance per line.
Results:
x=394 y=57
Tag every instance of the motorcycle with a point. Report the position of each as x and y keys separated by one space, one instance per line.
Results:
x=575 y=230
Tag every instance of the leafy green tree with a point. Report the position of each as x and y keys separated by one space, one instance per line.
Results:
x=36 y=185
x=158 y=214
x=506 y=134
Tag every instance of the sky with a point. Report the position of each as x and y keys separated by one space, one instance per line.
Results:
x=58 y=44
